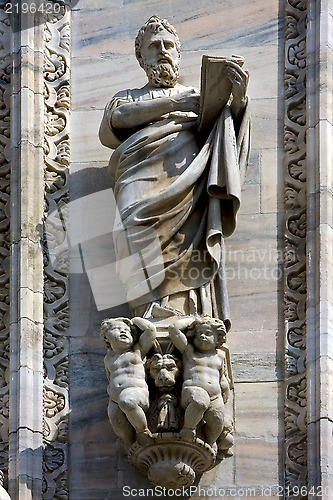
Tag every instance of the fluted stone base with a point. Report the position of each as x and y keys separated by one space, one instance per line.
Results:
x=171 y=462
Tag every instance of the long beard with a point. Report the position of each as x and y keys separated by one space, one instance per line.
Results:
x=162 y=75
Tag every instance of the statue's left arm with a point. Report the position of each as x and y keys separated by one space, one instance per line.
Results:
x=224 y=378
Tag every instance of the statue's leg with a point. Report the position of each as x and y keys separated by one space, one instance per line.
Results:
x=226 y=440
x=214 y=418
x=195 y=401
x=120 y=424
x=132 y=401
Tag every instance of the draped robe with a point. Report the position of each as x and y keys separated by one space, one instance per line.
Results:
x=178 y=192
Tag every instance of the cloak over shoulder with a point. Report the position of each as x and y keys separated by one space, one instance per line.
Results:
x=178 y=195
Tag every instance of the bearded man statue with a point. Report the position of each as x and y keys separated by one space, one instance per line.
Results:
x=177 y=187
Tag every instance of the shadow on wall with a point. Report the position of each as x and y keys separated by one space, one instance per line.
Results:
x=86 y=228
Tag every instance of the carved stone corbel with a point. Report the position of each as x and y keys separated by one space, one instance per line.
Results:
x=169 y=382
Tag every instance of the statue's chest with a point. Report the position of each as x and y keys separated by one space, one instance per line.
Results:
x=127 y=360
x=206 y=360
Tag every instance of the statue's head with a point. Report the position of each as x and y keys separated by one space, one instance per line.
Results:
x=208 y=333
x=164 y=369
x=118 y=333
x=157 y=48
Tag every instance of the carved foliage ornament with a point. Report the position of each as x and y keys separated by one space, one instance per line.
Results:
x=295 y=233
x=56 y=308
x=5 y=168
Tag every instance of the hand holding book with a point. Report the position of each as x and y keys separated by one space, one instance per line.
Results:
x=239 y=79
x=222 y=80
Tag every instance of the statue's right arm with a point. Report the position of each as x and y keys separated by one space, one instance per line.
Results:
x=122 y=115
x=136 y=114
x=148 y=335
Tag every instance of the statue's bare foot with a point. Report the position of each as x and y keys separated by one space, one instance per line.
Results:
x=222 y=454
x=145 y=437
x=187 y=434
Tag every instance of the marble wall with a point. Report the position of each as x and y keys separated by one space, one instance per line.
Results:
x=103 y=63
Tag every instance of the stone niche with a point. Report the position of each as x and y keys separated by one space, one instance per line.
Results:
x=178 y=162
x=56 y=243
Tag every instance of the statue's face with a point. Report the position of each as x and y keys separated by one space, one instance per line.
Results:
x=164 y=370
x=205 y=338
x=161 y=58
x=120 y=336
x=159 y=48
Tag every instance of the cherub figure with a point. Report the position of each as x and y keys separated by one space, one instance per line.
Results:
x=124 y=364
x=206 y=385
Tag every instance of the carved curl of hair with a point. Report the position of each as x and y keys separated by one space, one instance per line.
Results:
x=215 y=323
x=109 y=322
x=153 y=25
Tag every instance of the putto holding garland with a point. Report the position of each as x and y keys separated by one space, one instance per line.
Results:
x=179 y=160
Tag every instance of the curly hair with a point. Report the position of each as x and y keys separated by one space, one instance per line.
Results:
x=153 y=25
x=215 y=323
x=109 y=322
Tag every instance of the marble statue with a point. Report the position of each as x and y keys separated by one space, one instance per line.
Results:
x=3 y=493
x=164 y=369
x=178 y=163
x=205 y=380
x=128 y=390
x=177 y=188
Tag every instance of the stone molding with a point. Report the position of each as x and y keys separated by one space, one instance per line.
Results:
x=295 y=126
x=5 y=168
x=56 y=258
x=319 y=144
x=26 y=280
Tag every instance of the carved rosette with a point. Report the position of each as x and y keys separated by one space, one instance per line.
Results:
x=295 y=234
x=5 y=71
x=56 y=267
